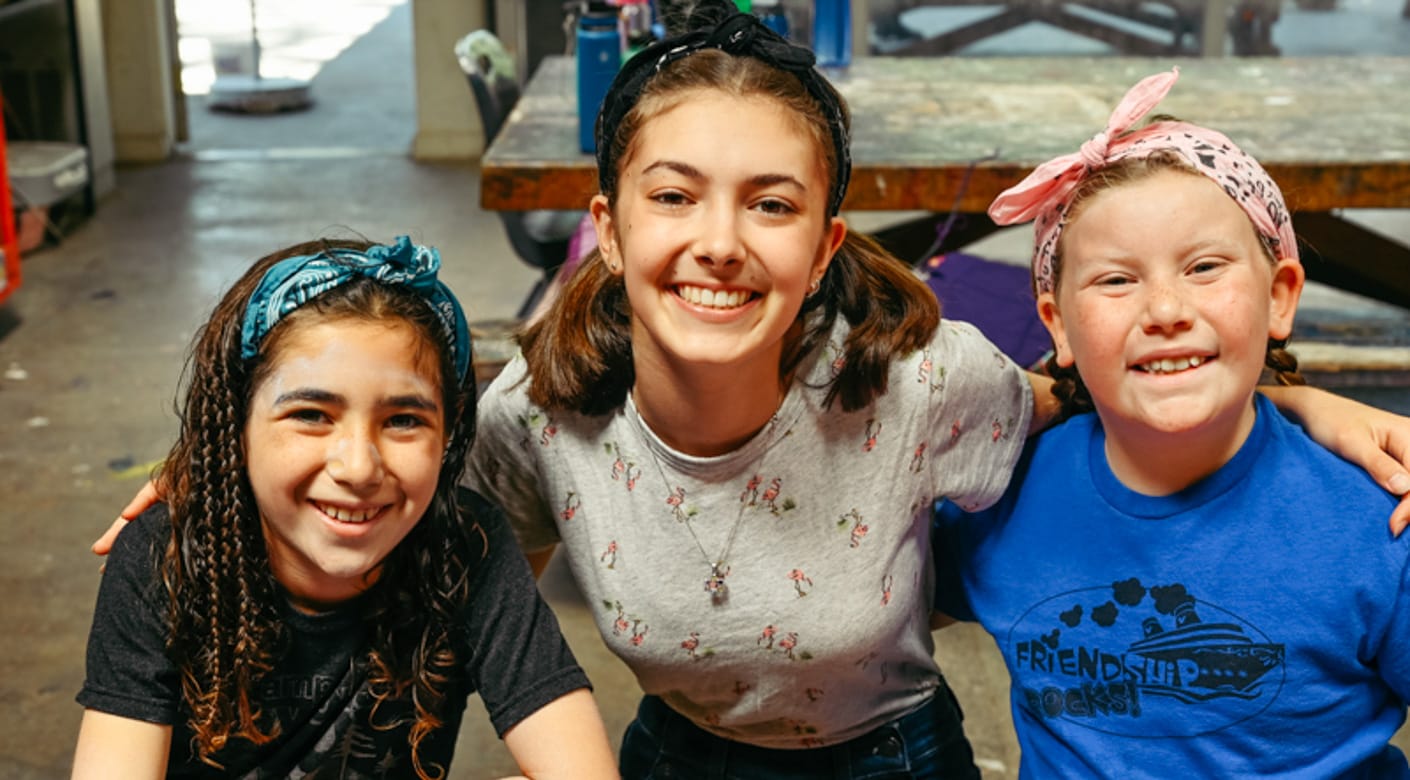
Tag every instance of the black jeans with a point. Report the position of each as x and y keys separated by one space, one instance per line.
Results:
x=927 y=743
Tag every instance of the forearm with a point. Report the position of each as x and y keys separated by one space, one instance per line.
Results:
x=1045 y=405
x=563 y=739
x=110 y=746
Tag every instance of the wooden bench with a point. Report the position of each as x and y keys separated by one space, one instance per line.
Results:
x=1151 y=27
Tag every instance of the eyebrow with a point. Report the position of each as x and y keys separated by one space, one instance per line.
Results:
x=691 y=172
x=314 y=395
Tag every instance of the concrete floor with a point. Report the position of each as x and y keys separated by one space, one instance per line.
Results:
x=97 y=334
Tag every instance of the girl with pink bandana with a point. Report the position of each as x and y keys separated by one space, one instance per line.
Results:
x=1182 y=584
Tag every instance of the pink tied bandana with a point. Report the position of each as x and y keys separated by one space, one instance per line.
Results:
x=1044 y=196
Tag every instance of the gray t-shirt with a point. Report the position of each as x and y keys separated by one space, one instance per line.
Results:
x=822 y=633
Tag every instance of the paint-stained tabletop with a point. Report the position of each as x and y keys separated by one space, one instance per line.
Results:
x=942 y=133
x=1334 y=132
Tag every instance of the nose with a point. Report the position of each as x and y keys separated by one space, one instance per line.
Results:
x=719 y=241
x=1168 y=308
x=354 y=460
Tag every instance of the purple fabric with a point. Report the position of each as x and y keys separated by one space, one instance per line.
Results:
x=995 y=297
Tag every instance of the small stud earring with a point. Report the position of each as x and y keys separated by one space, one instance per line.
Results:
x=813 y=286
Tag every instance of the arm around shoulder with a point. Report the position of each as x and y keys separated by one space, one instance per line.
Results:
x=563 y=739
x=111 y=746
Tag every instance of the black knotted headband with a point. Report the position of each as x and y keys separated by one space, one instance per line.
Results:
x=740 y=35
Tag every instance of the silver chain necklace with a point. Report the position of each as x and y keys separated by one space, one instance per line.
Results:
x=719 y=565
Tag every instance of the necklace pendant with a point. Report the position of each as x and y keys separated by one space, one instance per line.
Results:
x=715 y=583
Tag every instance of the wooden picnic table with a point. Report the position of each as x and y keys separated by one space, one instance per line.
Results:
x=943 y=134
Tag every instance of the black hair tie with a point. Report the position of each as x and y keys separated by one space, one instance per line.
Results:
x=740 y=35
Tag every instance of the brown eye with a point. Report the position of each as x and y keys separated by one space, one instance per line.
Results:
x=405 y=422
x=775 y=206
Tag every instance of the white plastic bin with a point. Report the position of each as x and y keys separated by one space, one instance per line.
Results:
x=45 y=172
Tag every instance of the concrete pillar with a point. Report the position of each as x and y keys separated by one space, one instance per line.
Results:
x=92 y=63
x=139 y=79
x=446 y=124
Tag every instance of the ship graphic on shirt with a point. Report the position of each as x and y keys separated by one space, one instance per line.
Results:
x=1142 y=662
x=1208 y=660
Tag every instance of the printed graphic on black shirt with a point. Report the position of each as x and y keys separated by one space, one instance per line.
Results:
x=1142 y=662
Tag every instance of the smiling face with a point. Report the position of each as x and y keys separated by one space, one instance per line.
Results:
x=343 y=447
x=719 y=227
x=1165 y=304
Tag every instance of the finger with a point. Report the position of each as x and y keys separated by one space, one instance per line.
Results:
x=105 y=542
x=1400 y=518
x=145 y=497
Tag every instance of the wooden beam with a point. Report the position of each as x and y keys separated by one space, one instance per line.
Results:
x=1353 y=258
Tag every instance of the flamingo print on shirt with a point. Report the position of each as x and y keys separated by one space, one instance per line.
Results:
x=799 y=578
x=624 y=624
x=751 y=490
x=676 y=501
x=536 y=424
x=774 y=640
x=838 y=359
x=691 y=645
x=624 y=468
x=767 y=635
x=872 y=433
x=929 y=374
x=859 y=528
x=570 y=506
x=770 y=498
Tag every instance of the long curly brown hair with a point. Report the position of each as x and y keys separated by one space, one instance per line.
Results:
x=580 y=355
x=1067 y=383
x=225 y=631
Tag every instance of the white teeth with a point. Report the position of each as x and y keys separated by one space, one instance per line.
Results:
x=715 y=299
x=1170 y=366
x=347 y=515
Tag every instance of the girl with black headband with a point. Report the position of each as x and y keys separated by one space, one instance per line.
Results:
x=735 y=420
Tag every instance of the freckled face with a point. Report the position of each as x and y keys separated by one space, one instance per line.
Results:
x=720 y=226
x=343 y=445
x=1166 y=304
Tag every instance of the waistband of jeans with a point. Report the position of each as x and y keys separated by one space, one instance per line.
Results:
x=655 y=714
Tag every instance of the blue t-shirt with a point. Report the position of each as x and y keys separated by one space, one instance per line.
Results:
x=1253 y=624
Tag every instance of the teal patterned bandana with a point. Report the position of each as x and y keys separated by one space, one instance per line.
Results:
x=294 y=281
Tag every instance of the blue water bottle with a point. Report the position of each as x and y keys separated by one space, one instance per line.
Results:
x=771 y=13
x=599 y=46
x=832 y=33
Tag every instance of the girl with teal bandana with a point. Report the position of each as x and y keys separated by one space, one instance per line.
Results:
x=316 y=595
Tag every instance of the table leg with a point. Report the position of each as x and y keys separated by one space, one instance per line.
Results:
x=1350 y=257
x=1216 y=21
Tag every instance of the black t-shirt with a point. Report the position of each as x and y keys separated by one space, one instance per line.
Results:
x=514 y=655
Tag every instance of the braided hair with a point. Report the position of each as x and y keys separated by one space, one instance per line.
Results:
x=223 y=599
